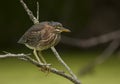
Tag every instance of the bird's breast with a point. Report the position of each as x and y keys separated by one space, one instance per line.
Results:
x=51 y=40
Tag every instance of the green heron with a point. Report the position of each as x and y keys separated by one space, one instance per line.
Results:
x=42 y=36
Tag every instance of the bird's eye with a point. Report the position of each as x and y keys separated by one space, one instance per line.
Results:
x=58 y=26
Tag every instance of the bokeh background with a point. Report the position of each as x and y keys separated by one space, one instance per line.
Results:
x=85 y=18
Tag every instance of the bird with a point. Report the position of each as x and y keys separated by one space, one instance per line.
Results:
x=42 y=36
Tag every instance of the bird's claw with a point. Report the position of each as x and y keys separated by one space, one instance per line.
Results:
x=46 y=68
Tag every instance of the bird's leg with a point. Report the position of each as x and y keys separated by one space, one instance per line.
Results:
x=46 y=66
x=36 y=55
x=41 y=57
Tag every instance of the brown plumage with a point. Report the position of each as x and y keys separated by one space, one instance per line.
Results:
x=42 y=36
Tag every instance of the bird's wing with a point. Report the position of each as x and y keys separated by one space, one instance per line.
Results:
x=32 y=35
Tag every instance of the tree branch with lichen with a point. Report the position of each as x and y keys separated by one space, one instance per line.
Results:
x=26 y=57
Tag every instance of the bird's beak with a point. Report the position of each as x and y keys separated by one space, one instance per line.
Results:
x=65 y=30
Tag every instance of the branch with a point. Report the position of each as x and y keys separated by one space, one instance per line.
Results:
x=13 y=55
x=38 y=11
x=101 y=58
x=26 y=57
x=29 y=12
x=63 y=63
x=85 y=43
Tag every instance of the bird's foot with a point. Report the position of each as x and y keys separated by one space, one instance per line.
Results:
x=46 y=68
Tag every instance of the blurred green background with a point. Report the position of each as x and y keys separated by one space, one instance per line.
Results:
x=85 y=18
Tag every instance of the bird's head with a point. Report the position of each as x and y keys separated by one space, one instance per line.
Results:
x=59 y=27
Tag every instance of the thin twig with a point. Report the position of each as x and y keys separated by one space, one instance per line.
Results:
x=62 y=62
x=29 y=12
x=26 y=57
x=13 y=55
x=38 y=11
